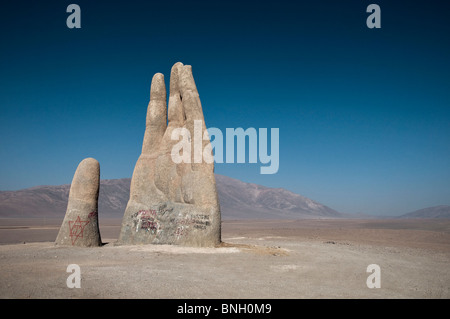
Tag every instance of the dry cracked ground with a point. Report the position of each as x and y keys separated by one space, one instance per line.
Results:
x=258 y=259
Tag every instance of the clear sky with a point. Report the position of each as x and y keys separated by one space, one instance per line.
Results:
x=363 y=114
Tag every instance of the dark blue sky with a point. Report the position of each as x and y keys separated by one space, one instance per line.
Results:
x=364 y=114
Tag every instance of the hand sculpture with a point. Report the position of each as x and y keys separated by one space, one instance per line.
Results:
x=80 y=224
x=171 y=202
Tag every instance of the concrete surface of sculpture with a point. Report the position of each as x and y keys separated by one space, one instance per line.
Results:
x=170 y=202
x=80 y=225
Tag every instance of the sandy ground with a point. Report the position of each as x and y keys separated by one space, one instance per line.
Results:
x=259 y=259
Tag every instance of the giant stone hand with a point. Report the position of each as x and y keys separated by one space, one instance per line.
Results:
x=173 y=202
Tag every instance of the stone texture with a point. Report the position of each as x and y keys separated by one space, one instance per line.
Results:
x=172 y=203
x=80 y=225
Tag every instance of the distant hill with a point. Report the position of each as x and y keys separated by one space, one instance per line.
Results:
x=442 y=211
x=245 y=200
x=51 y=201
x=238 y=200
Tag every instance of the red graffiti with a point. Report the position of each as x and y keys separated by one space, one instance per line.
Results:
x=76 y=229
x=181 y=231
x=149 y=225
x=147 y=213
x=92 y=214
x=148 y=220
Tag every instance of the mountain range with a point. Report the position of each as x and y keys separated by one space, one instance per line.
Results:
x=442 y=211
x=238 y=200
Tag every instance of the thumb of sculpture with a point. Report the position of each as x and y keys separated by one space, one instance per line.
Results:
x=80 y=225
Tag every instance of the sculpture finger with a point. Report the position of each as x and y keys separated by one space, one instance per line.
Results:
x=156 y=116
x=80 y=225
x=175 y=113
x=189 y=94
x=201 y=154
x=167 y=175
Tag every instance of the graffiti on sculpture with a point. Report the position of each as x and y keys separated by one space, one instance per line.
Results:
x=195 y=221
x=76 y=229
x=146 y=220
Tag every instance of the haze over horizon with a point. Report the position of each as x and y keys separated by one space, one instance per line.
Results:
x=363 y=114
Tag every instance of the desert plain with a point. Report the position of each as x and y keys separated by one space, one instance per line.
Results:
x=306 y=258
